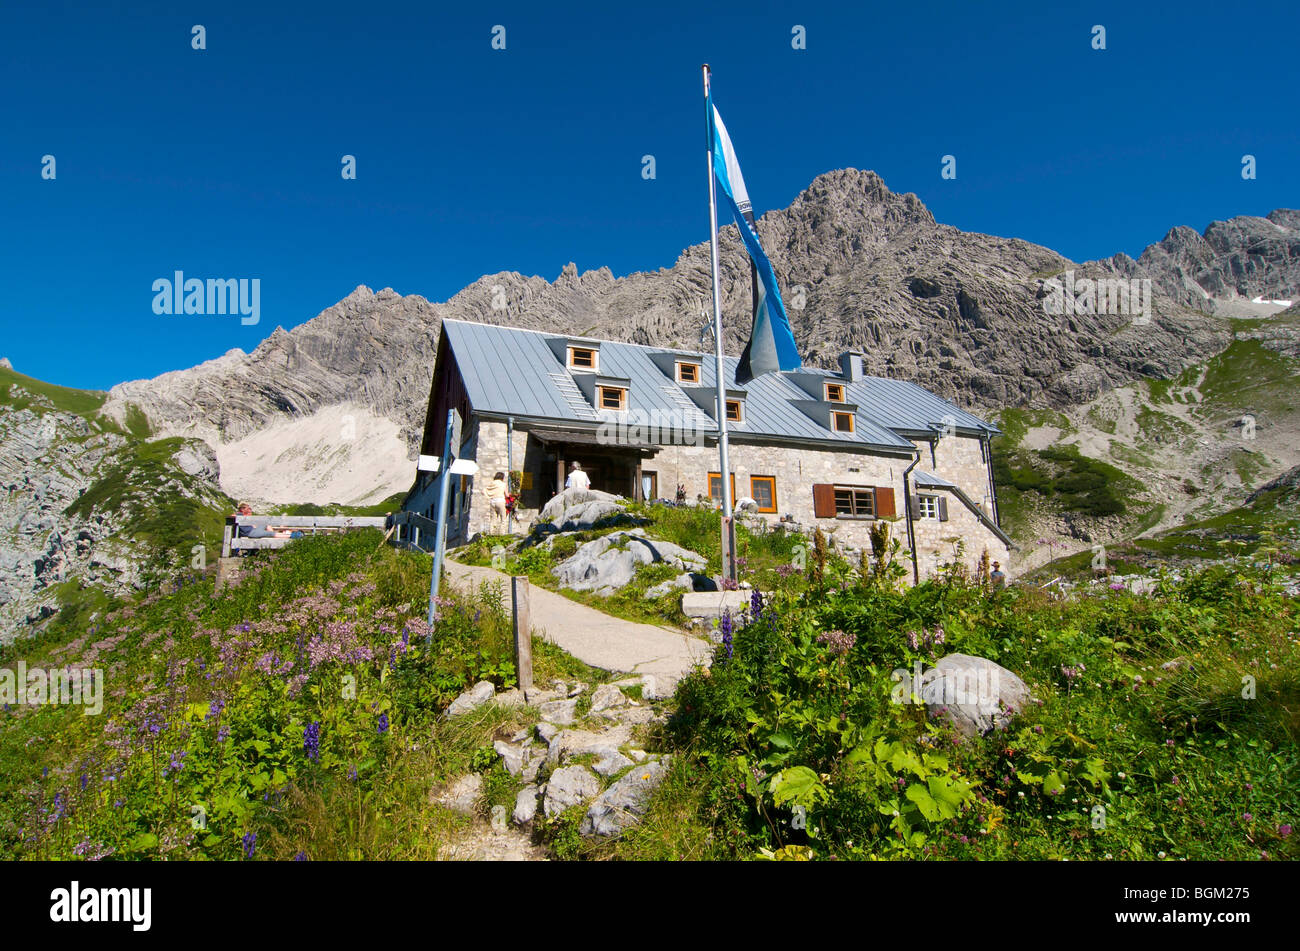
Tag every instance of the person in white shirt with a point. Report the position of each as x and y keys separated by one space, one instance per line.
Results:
x=577 y=478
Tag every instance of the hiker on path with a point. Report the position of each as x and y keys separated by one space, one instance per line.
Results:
x=577 y=478
x=496 y=497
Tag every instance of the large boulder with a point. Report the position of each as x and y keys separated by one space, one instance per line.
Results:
x=608 y=563
x=975 y=694
x=624 y=803
x=568 y=786
x=576 y=510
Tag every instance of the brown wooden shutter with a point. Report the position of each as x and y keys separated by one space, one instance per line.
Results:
x=885 y=502
x=823 y=500
x=943 y=509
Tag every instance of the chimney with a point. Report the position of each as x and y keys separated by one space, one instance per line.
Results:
x=851 y=365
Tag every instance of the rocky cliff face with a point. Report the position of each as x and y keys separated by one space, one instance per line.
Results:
x=861 y=267
x=51 y=459
x=1223 y=270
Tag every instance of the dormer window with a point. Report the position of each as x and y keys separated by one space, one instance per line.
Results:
x=688 y=372
x=582 y=358
x=835 y=392
x=734 y=412
x=842 y=422
x=611 y=397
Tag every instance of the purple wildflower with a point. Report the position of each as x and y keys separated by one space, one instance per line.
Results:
x=311 y=742
x=383 y=723
x=756 y=604
x=839 y=642
x=250 y=844
x=725 y=626
x=1284 y=830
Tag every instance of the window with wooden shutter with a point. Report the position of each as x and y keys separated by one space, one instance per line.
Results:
x=885 y=502
x=823 y=500
x=914 y=508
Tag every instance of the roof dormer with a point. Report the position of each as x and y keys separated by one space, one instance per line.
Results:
x=838 y=417
x=684 y=369
x=610 y=394
x=578 y=354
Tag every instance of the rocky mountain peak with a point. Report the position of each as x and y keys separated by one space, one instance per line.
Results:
x=1223 y=269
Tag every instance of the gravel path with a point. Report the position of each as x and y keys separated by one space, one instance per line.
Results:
x=596 y=638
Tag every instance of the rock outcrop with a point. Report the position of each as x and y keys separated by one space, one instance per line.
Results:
x=605 y=564
x=973 y=693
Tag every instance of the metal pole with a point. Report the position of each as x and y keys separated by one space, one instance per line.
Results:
x=510 y=471
x=444 y=483
x=728 y=556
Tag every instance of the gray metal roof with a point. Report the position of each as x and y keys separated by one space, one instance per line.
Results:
x=514 y=372
x=928 y=480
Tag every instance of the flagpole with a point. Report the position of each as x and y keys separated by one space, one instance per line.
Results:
x=728 y=532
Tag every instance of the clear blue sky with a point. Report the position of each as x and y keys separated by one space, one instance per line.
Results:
x=226 y=162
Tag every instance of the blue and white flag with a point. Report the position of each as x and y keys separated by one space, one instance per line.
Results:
x=771 y=344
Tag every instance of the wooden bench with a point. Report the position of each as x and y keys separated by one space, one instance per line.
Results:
x=232 y=541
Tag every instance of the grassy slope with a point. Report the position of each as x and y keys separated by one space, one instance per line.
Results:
x=1245 y=378
x=187 y=672
x=210 y=674
x=81 y=402
x=390 y=504
x=1178 y=759
x=139 y=481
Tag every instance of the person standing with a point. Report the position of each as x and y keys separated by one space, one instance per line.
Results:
x=577 y=478
x=496 y=498
x=998 y=578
